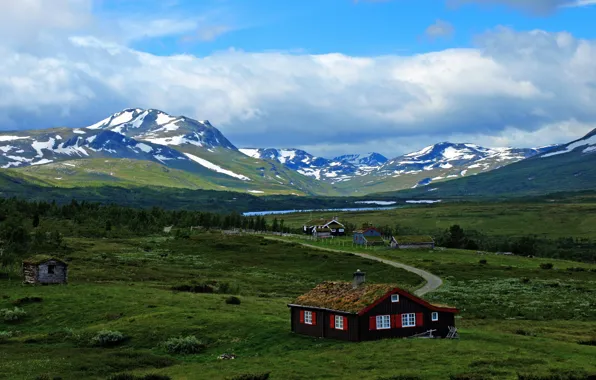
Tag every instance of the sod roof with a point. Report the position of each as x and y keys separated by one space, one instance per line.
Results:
x=342 y=296
x=414 y=239
x=39 y=259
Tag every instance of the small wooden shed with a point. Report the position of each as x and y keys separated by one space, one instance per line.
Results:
x=44 y=269
x=412 y=242
x=368 y=236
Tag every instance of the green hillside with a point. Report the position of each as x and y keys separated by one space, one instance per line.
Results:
x=574 y=171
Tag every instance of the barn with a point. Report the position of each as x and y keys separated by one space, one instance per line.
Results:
x=44 y=269
x=368 y=236
x=412 y=242
x=358 y=311
x=335 y=227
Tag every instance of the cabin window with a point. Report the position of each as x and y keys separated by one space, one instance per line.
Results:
x=395 y=298
x=51 y=269
x=408 y=320
x=308 y=317
x=339 y=322
x=383 y=322
x=434 y=316
x=341 y=230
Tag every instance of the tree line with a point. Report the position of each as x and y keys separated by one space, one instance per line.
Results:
x=28 y=228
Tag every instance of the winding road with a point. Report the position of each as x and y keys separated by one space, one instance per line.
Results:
x=432 y=281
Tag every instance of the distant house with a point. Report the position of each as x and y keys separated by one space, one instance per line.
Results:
x=335 y=227
x=357 y=312
x=44 y=269
x=409 y=242
x=322 y=232
x=368 y=236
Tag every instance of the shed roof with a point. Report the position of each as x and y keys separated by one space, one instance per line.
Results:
x=363 y=230
x=39 y=259
x=410 y=239
x=342 y=296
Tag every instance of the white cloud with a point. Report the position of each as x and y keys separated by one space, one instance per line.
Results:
x=439 y=29
x=508 y=87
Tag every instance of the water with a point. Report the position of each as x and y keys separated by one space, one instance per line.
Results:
x=278 y=212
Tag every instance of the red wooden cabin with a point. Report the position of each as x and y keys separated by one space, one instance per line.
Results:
x=357 y=311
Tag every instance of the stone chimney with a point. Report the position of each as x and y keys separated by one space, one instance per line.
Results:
x=358 y=279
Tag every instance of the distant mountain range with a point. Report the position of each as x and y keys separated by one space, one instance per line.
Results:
x=567 y=167
x=353 y=174
x=137 y=147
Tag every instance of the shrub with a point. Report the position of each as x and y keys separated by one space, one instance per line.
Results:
x=183 y=346
x=127 y=376
x=14 y=315
x=252 y=376
x=233 y=300
x=107 y=338
x=577 y=269
x=546 y=266
x=483 y=261
x=25 y=300
x=589 y=342
x=524 y=332
x=525 y=280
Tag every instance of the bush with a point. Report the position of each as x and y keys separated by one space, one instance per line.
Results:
x=525 y=280
x=483 y=261
x=14 y=315
x=546 y=266
x=589 y=342
x=233 y=300
x=107 y=338
x=25 y=300
x=183 y=346
x=127 y=376
x=253 y=376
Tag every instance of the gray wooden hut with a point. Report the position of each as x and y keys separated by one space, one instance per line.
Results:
x=412 y=242
x=44 y=269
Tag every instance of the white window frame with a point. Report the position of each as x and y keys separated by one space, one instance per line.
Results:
x=408 y=320
x=383 y=322
x=395 y=298
x=434 y=316
x=339 y=322
x=308 y=317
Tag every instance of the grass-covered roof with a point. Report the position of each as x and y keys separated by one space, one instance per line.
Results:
x=412 y=239
x=39 y=259
x=342 y=296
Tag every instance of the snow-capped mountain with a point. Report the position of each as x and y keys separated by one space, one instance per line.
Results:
x=445 y=161
x=332 y=170
x=160 y=128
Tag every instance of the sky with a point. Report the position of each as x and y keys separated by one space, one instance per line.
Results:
x=331 y=77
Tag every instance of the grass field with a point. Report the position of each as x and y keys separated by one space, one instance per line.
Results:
x=125 y=285
x=507 y=219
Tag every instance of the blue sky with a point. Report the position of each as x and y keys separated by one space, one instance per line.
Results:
x=362 y=28
x=328 y=76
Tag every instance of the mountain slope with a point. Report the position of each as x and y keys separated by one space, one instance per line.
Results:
x=170 y=143
x=568 y=167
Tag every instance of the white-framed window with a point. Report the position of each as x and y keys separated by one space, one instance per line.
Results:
x=308 y=317
x=434 y=316
x=395 y=298
x=339 y=322
x=383 y=322
x=408 y=320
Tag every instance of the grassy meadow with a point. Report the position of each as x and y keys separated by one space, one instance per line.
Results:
x=126 y=285
x=494 y=218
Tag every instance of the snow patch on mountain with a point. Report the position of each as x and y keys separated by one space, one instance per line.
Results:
x=212 y=166
x=588 y=140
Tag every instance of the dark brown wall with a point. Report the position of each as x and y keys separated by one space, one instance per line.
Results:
x=404 y=305
x=358 y=326
x=323 y=326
